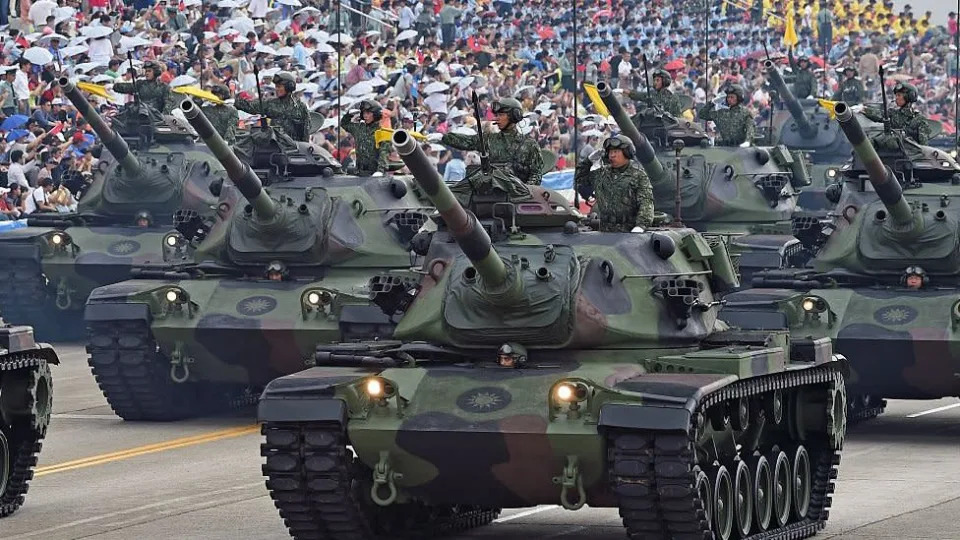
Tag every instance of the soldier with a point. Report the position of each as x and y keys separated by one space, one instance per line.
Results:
x=735 y=125
x=276 y=271
x=805 y=84
x=508 y=146
x=151 y=91
x=288 y=113
x=851 y=89
x=915 y=277
x=223 y=117
x=904 y=117
x=661 y=96
x=363 y=124
x=143 y=219
x=622 y=190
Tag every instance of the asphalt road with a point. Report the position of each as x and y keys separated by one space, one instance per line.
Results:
x=102 y=478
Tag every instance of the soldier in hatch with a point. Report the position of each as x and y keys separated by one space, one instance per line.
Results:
x=289 y=115
x=904 y=117
x=143 y=219
x=363 y=124
x=276 y=271
x=622 y=190
x=223 y=117
x=805 y=84
x=851 y=90
x=150 y=90
x=735 y=125
x=661 y=96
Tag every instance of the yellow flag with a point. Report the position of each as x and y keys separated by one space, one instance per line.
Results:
x=591 y=90
x=95 y=89
x=196 y=91
x=790 y=38
x=829 y=106
x=383 y=135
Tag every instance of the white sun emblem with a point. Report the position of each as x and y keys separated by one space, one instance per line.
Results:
x=124 y=247
x=484 y=400
x=895 y=315
x=257 y=305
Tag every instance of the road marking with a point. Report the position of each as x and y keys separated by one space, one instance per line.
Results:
x=74 y=416
x=566 y=532
x=147 y=449
x=931 y=411
x=525 y=513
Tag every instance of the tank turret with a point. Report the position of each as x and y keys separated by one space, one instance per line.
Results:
x=111 y=139
x=806 y=129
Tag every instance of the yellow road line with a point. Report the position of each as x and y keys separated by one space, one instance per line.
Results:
x=147 y=449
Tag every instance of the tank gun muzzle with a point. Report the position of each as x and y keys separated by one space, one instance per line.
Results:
x=469 y=234
x=622 y=119
x=807 y=130
x=882 y=178
x=111 y=140
x=239 y=172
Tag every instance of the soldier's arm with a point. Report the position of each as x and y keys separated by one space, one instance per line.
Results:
x=873 y=114
x=643 y=191
x=232 y=124
x=707 y=112
x=583 y=178
x=534 y=162
x=123 y=88
x=460 y=142
x=383 y=155
x=922 y=129
x=751 y=127
x=247 y=106
x=637 y=95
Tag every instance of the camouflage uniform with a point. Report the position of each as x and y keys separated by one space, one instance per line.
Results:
x=906 y=118
x=152 y=93
x=851 y=91
x=370 y=158
x=805 y=84
x=288 y=113
x=224 y=119
x=624 y=196
x=734 y=125
x=505 y=147
x=663 y=98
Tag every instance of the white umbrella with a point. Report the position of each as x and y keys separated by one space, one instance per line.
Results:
x=377 y=81
x=330 y=123
x=307 y=10
x=325 y=48
x=265 y=49
x=267 y=73
x=407 y=34
x=592 y=133
x=209 y=35
x=344 y=38
x=79 y=40
x=61 y=14
x=285 y=51
x=182 y=80
x=67 y=52
x=86 y=66
x=130 y=43
x=96 y=31
x=38 y=56
x=282 y=26
x=103 y=79
x=466 y=81
x=359 y=89
x=39 y=11
x=188 y=3
x=229 y=4
x=309 y=88
x=437 y=147
x=127 y=65
x=436 y=87
x=319 y=35
x=49 y=37
x=291 y=3
x=244 y=25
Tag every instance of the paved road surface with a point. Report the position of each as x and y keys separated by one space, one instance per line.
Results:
x=105 y=479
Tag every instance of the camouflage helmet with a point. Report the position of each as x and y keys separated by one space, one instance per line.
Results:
x=286 y=79
x=851 y=68
x=221 y=91
x=373 y=107
x=622 y=143
x=803 y=59
x=738 y=91
x=154 y=66
x=143 y=214
x=511 y=106
x=909 y=91
x=276 y=266
x=665 y=75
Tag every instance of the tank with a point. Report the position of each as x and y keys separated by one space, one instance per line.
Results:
x=58 y=259
x=26 y=403
x=900 y=339
x=212 y=330
x=569 y=368
x=745 y=197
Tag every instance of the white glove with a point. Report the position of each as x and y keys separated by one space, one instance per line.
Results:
x=378 y=173
x=637 y=229
x=745 y=144
x=354 y=112
x=856 y=109
x=434 y=137
x=596 y=155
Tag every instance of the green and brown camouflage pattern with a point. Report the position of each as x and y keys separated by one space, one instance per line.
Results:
x=630 y=317
x=104 y=242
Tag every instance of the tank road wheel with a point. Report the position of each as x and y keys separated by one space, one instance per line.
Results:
x=133 y=375
x=26 y=396
x=5 y=456
x=762 y=492
x=705 y=495
x=743 y=498
x=837 y=415
x=801 y=482
x=723 y=497
x=782 y=487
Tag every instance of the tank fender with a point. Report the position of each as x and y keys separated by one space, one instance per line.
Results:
x=666 y=401
x=308 y=396
x=117 y=312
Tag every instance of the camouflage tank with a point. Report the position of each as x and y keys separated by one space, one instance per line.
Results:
x=189 y=337
x=883 y=285
x=565 y=368
x=51 y=265
x=26 y=402
x=745 y=197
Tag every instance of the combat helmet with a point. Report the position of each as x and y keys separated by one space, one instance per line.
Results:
x=510 y=106
x=153 y=66
x=372 y=106
x=621 y=142
x=665 y=75
x=221 y=91
x=286 y=79
x=738 y=91
x=908 y=90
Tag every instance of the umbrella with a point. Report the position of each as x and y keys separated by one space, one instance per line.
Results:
x=282 y=26
x=285 y=51
x=676 y=65
x=38 y=56
x=198 y=92
x=61 y=14
x=67 y=52
x=307 y=10
x=319 y=35
x=436 y=87
x=377 y=81
x=229 y=4
x=407 y=34
x=309 y=88
x=466 y=81
x=330 y=123
x=182 y=80
x=592 y=133
x=130 y=43
x=291 y=3
x=127 y=65
x=344 y=38
x=243 y=25
x=265 y=49
x=86 y=66
x=96 y=31
x=50 y=37
x=267 y=73
x=41 y=10
x=325 y=48
x=14 y=122
x=103 y=79
x=16 y=134
x=359 y=89
x=602 y=13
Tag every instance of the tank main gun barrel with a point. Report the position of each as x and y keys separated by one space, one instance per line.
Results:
x=807 y=130
x=239 y=172
x=111 y=140
x=647 y=157
x=620 y=116
x=470 y=235
x=884 y=183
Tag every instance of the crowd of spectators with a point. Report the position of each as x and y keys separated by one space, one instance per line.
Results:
x=423 y=59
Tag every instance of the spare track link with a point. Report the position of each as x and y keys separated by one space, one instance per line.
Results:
x=653 y=473
x=311 y=478
x=137 y=385
x=25 y=442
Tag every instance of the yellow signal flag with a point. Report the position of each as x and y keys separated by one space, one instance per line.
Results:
x=594 y=95
x=829 y=106
x=95 y=89
x=383 y=135
x=790 y=38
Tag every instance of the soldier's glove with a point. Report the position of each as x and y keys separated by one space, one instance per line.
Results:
x=856 y=109
x=378 y=173
x=434 y=137
x=637 y=229
x=745 y=144
x=353 y=112
x=596 y=155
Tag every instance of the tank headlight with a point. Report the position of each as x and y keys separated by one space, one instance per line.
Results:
x=831 y=173
x=59 y=240
x=379 y=388
x=953 y=154
x=313 y=298
x=176 y=296
x=813 y=304
x=172 y=240
x=946 y=164
x=570 y=392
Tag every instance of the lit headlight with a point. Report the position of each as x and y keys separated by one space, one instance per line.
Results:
x=953 y=154
x=316 y=298
x=813 y=304
x=379 y=388
x=172 y=240
x=570 y=392
x=945 y=164
x=59 y=240
x=176 y=296
x=831 y=173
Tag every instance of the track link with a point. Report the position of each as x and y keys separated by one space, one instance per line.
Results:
x=23 y=434
x=859 y=412
x=319 y=488
x=654 y=473
x=23 y=292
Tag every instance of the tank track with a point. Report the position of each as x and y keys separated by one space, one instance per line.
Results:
x=23 y=292
x=858 y=412
x=23 y=436
x=134 y=377
x=654 y=473
x=317 y=485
